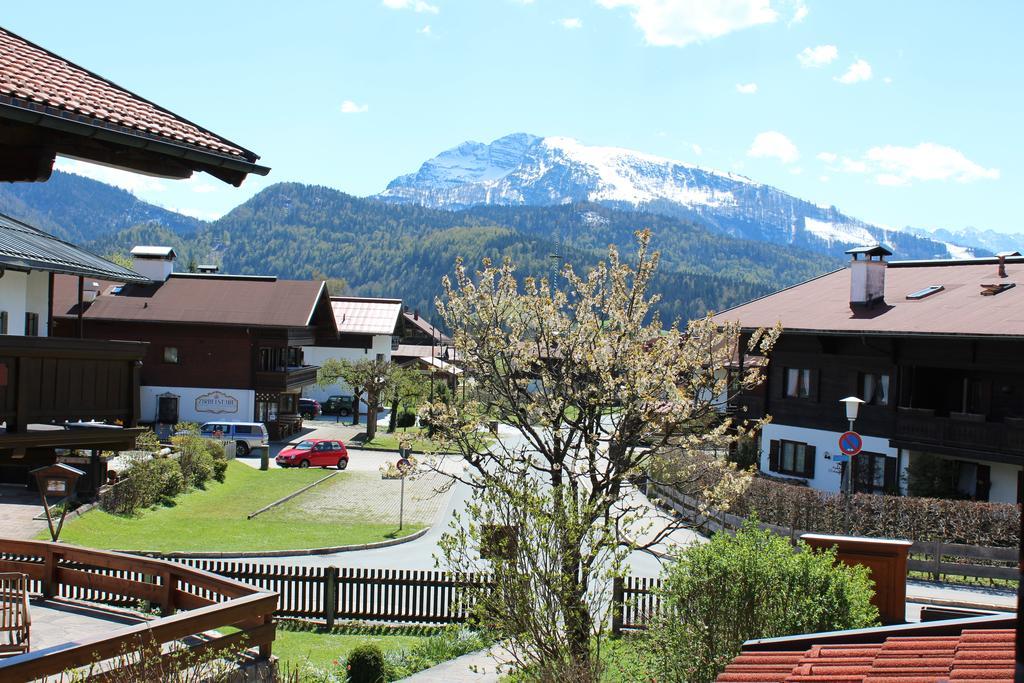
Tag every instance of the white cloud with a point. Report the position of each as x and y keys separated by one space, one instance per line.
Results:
x=800 y=12
x=773 y=144
x=678 y=23
x=858 y=71
x=814 y=57
x=414 y=5
x=827 y=157
x=350 y=107
x=927 y=161
x=849 y=165
x=571 y=23
x=746 y=88
x=887 y=80
x=204 y=188
x=823 y=178
x=425 y=30
x=126 y=180
x=697 y=149
x=796 y=170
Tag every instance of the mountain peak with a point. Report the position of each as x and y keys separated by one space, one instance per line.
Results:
x=526 y=170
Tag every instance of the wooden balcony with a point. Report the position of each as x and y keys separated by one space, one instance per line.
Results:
x=192 y=603
x=286 y=379
x=46 y=381
x=968 y=433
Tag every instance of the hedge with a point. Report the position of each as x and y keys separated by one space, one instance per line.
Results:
x=905 y=517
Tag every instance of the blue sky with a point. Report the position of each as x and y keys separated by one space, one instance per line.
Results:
x=900 y=113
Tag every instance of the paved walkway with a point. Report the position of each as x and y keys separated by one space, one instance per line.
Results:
x=952 y=595
x=55 y=622
x=476 y=667
x=18 y=507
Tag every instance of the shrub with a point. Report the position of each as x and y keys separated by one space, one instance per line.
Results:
x=148 y=441
x=906 y=517
x=752 y=585
x=197 y=465
x=169 y=481
x=366 y=664
x=452 y=642
x=406 y=419
x=145 y=483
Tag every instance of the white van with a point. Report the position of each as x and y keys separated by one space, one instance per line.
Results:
x=246 y=435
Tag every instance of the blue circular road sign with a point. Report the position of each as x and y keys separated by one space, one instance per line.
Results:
x=850 y=443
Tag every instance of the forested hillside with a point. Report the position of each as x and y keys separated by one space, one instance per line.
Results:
x=380 y=249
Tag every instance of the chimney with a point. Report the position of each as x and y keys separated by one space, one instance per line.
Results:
x=867 y=276
x=155 y=263
x=90 y=291
x=208 y=268
x=416 y=314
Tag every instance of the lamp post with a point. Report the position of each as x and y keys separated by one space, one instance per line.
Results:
x=852 y=404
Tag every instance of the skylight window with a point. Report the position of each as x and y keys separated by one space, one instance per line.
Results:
x=927 y=291
x=992 y=290
x=117 y=290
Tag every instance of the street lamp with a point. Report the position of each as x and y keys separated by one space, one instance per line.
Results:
x=852 y=404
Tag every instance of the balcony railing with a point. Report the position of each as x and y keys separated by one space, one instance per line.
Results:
x=969 y=432
x=50 y=380
x=286 y=378
x=203 y=602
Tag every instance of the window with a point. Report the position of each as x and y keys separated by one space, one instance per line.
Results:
x=927 y=291
x=798 y=383
x=874 y=473
x=167 y=409
x=243 y=429
x=31 y=324
x=791 y=457
x=874 y=388
x=3 y=322
x=171 y=354
x=380 y=357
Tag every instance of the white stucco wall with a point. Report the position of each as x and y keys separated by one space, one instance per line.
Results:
x=827 y=475
x=22 y=293
x=316 y=355
x=191 y=410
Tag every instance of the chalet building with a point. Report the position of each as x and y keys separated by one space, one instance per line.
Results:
x=936 y=351
x=68 y=398
x=227 y=347
x=420 y=339
x=71 y=398
x=368 y=329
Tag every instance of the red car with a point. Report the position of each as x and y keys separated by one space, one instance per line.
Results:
x=314 y=453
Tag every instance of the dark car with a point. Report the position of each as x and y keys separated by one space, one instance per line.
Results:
x=338 y=405
x=309 y=408
x=314 y=453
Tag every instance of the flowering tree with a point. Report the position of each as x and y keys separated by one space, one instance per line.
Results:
x=596 y=390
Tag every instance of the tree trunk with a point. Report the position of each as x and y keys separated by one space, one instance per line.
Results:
x=355 y=408
x=371 y=416
x=393 y=420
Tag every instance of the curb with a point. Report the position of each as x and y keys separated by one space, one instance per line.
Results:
x=279 y=553
x=965 y=604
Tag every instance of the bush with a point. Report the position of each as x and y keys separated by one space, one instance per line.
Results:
x=148 y=441
x=906 y=517
x=406 y=419
x=752 y=585
x=166 y=473
x=220 y=460
x=197 y=465
x=450 y=643
x=145 y=483
x=366 y=664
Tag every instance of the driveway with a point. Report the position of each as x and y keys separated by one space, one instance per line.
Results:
x=18 y=509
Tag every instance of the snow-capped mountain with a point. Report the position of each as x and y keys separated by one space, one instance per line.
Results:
x=989 y=240
x=523 y=169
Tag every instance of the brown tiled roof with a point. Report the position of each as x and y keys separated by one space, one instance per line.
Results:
x=822 y=304
x=211 y=299
x=36 y=80
x=358 y=315
x=425 y=326
x=974 y=655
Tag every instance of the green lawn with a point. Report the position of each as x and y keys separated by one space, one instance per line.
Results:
x=215 y=519
x=321 y=648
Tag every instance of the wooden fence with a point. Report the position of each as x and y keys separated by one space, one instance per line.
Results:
x=933 y=559
x=330 y=593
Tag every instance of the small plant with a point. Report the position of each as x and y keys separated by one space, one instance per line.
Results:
x=366 y=664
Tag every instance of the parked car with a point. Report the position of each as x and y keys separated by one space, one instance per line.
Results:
x=309 y=408
x=314 y=453
x=338 y=405
x=246 y=435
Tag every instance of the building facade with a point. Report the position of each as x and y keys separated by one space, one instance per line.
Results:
x=935 y=349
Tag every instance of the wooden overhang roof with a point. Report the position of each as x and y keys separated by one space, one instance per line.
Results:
x=956 y=307
x=50 y=106
x=25 y=248
x=251 y=301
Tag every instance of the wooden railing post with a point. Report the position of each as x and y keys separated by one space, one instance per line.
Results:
x=330 y=595
x=618 y=600
x=937 y=561
x=49 y=583
x=266 y=649
x=170 y=582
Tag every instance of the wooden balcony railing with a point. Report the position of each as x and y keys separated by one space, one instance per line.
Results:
x=192 y=602
x=952 y=432
x=288 y=378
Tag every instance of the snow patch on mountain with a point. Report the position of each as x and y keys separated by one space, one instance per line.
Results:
x=843 y=233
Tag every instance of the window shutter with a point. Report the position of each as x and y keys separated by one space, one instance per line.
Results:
x=814 y=393
x=890 y=485
x=809 y=457
x=773 y=456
